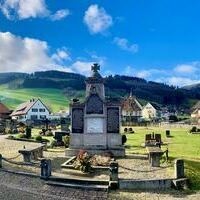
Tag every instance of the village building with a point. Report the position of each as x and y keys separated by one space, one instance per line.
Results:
x=131 y=110
x=4 y=112
x=34 y=109
x=195 y=115
x=151 y=111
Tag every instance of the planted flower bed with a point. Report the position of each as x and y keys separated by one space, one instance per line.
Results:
x=86 y=163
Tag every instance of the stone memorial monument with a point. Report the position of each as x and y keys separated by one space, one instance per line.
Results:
x=95 y=123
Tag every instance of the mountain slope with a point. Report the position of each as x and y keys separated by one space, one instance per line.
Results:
x=57 y=88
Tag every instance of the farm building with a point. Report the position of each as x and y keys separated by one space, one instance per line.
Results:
x=4 y=112
x=34 y=109
x=151 y=111
x=196 y=112
x=131 y=110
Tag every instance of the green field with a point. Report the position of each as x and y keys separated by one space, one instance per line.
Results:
x=181 y=144
x=54 y=98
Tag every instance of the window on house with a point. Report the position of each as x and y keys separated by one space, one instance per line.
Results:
x=34 y=117
x=34 y=110
x=42 y=116
x=42 y=109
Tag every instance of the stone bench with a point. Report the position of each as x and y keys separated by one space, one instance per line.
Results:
x=32 y=153
x=155 y=154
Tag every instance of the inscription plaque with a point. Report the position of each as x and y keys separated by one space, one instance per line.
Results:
x=77 y=120
x=94 y=125
x=94 y=105
x=113 y=120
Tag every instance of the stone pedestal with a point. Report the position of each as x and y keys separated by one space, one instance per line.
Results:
x=155 y=154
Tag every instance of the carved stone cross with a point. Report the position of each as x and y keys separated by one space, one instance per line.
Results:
x=95 y=67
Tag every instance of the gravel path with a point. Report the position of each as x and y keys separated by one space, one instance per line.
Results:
x=136 y=168
x=17 y=187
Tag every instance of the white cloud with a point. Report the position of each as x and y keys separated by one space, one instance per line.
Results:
x=97 y=20
x=129 y=71
x=60 y=14
x=143 y=74
x=61 y=55
x=82 y=67
x=124 y=44
x=24 y=9
x=186 y=68
x=181 y=81
x=26 y=55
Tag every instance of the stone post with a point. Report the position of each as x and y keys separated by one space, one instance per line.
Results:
x=114 y=175
x=45 y=168
x=179 y=168
x=167 y=133
x=0 y=161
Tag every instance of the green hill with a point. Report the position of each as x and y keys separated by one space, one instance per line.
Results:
x=56 y=89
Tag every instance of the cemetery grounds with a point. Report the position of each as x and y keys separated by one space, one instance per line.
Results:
x=181 y=144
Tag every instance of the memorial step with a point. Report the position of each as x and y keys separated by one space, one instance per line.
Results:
x=79 y=181
x=79 y=185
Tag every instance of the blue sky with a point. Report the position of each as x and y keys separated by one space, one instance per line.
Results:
x=157 y=40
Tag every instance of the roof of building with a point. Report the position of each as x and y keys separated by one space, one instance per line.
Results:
x=23 y=108
x=131 y=104
x=196 y=106
x=4 y=109
x=195 y=112
x=156 y=106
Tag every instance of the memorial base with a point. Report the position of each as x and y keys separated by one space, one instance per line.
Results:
x=117 y=152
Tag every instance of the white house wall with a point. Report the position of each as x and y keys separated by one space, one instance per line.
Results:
x=38 y=105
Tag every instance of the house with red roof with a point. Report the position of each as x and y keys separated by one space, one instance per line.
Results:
x=4 y=111
x=34 y=109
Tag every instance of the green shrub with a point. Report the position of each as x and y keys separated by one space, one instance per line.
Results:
x=21 y=135
x=28 y=132
x=49 y=133
x=66 y=140
x=38 y=138
x=8 y=131
x=194 y=129
x=11 y=137
x=53 y=144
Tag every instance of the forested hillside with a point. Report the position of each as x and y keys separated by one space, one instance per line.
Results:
x=73 y=85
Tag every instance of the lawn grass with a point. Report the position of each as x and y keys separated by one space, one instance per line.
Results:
x=181 y=144
x=54 y=98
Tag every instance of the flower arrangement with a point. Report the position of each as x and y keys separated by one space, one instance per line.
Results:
x=82 y=161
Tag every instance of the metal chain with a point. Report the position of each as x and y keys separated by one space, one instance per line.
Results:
x=21 y=163
x=144 y=170
x=13 y=157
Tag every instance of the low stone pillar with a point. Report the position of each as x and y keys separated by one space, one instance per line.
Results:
x=0 y=161
x=114 y=184
x=45 y=168
x=179 y=169
x=167 y=133
x=155 y=160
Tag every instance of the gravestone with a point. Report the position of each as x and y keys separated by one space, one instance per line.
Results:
x=95 y=121
x=65 y=122
x=59 y=137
